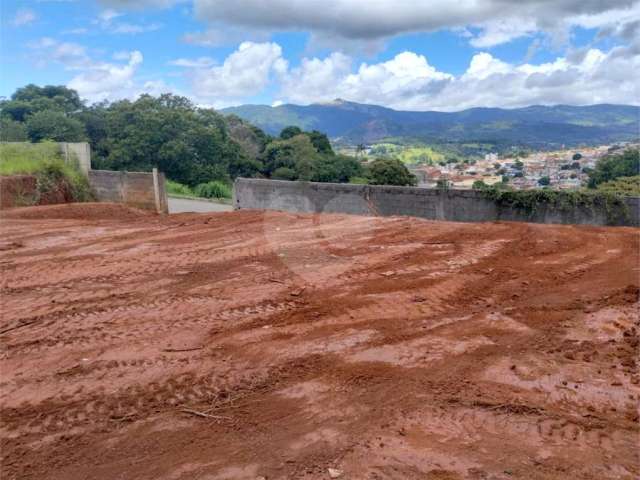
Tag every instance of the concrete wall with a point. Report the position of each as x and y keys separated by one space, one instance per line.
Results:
x=138 y=189
x=80 y=152
x=453 y=205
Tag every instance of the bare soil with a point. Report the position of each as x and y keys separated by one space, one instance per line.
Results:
x=251 y=345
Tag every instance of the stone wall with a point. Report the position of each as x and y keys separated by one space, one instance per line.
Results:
x=137 y=189
x=452 y=205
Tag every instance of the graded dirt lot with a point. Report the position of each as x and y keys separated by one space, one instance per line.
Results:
x=250 y=345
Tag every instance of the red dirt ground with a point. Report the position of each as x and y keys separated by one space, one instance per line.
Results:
x=252 y=345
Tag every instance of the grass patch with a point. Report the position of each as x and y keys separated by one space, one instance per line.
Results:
x=44 y=160
x=175 y=188
x=212 y=190
x=27 y=158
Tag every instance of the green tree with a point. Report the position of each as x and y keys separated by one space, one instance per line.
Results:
x=296 y=153
x=321 y=142
x=290 y=132
x=54 y=125
x=610 y=167
x=12 y=131
x=337 y=169
x=544 y=181
x=32 y=99
x=387 y=171
x=191 y=145
x=284 y=173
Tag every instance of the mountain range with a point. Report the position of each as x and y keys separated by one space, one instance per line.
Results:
x=536 y=126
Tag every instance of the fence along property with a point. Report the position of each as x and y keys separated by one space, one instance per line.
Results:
x=137 y=189
x=433 y=204
x=144 y=190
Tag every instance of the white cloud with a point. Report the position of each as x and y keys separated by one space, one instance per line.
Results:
x=138 y=4
x=106 y=21
x=76 y=31
x=404 y=79
x=502 y=31
x=108 y=15
x=408 y=81
x=71 y=55
x=245 y=72
x=201 y=62
x=23 y=17
x=93 y=79
x=132 y=28
x=101 y=80
x=499 y=21
x=225 y=35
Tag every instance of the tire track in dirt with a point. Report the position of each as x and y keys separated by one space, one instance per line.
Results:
x=219 y=313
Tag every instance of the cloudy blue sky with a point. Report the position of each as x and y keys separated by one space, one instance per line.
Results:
x=405 y=54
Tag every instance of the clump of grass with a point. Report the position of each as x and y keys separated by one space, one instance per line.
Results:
x=214 y=189
x=175 y=188
x=27 y=158
x=45 y=161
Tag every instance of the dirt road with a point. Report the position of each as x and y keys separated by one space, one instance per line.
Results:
x=250 y=345
x=192 y=205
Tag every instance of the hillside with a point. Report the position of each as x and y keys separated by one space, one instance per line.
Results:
x=538 y=126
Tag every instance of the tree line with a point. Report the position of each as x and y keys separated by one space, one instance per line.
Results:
x=190 y=144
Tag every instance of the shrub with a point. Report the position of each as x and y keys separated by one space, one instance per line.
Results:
x=12 y=131
x=626 y=186
x=358 y=181
x=284 y=173
x=610 y=167
x=390 y=172
x=176 y=188
x=214 y=189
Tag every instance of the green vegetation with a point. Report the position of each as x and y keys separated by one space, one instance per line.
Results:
x=543 y=181
x=612 y=166
x=54 y=125
x=214 y=189
x=385 y=171
x=307 y=156
x=27 y=158
x=625 y=186
x=192 y=146
x=410 y=155
x=175 y=188
x=530 y=201
x=471 y=132
x=12 y=131
x=45 y=161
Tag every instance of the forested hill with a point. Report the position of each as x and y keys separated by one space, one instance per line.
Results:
x=537 y=126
